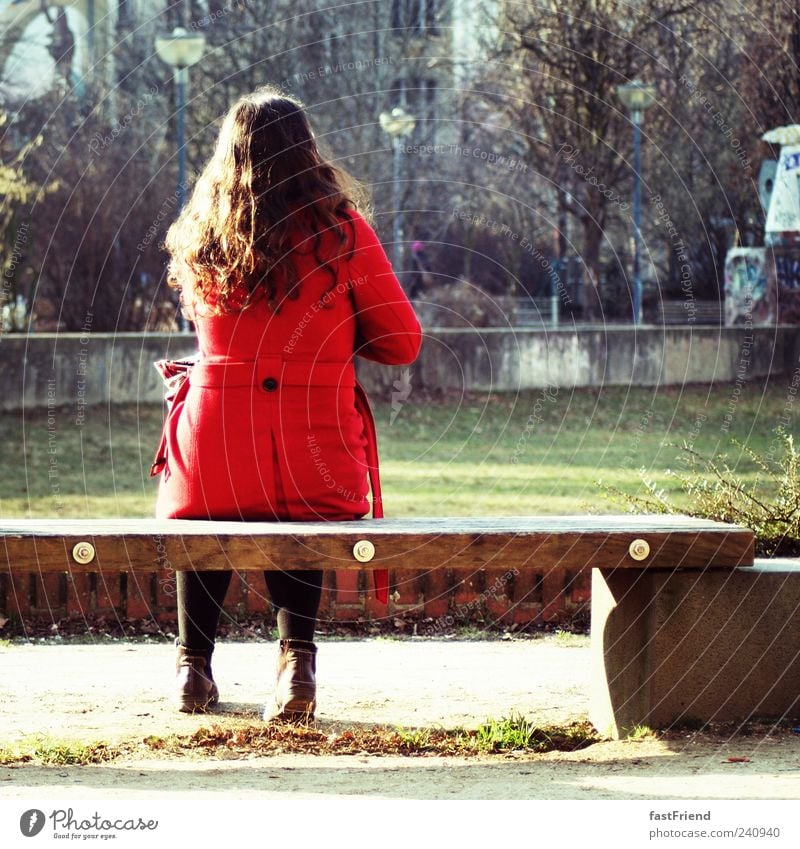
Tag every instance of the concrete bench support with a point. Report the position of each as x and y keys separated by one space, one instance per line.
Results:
x=674 y=647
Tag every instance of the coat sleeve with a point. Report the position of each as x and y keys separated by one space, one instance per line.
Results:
x=387 y=328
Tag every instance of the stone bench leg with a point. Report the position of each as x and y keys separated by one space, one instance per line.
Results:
x=688 y=647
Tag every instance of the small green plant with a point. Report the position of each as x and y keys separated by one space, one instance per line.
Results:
x=415 y=738
x=771 y=509
x=568 y=639
x=641 y=732
x=512 y=732
x=44 y=750
x=515 y=732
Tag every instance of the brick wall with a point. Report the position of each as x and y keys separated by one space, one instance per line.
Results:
x=436 y=599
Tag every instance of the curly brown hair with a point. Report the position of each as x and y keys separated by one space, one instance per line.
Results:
x=265 y=181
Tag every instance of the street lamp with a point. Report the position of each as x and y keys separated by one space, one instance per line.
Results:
x=181 y=50
x=397 y=124
x=636 y=97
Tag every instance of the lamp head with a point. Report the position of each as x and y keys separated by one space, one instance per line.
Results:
x=636 y=96
x=181 y=49
x=398 y=122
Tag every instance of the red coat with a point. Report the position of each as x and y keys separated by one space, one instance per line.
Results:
x=269 y=428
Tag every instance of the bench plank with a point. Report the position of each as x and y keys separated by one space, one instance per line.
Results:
x=541 y=542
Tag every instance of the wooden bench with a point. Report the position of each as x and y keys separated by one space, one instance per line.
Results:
x=674 y=599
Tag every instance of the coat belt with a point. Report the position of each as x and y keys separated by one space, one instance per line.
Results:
x=286 y=372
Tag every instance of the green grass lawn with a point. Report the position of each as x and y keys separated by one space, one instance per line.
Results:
x=477 y=454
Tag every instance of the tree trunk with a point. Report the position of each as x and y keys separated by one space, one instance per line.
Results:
x=590 y=285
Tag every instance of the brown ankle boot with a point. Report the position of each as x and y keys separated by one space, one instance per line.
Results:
x=296 y=687
x=195 y=687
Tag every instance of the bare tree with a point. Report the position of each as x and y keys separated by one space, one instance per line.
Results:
x=569 y=60
x=528 y=133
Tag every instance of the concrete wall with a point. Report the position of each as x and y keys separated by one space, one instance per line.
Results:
x=78 y=370
x=500 y=359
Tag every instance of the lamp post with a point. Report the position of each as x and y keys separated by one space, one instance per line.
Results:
x=636 y=97
x=397 y=124
x=181 y=50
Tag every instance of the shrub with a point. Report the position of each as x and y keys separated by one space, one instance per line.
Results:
x=715 y=491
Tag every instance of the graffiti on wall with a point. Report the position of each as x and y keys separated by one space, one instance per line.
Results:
x=762 y=286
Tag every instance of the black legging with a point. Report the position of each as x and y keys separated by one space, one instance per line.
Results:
x=295 y=596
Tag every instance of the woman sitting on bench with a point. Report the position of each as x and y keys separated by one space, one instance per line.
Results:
x=285 y=280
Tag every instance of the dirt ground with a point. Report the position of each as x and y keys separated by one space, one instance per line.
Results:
x=116 y=692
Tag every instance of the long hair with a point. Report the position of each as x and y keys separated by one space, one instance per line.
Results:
x=265 y=181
